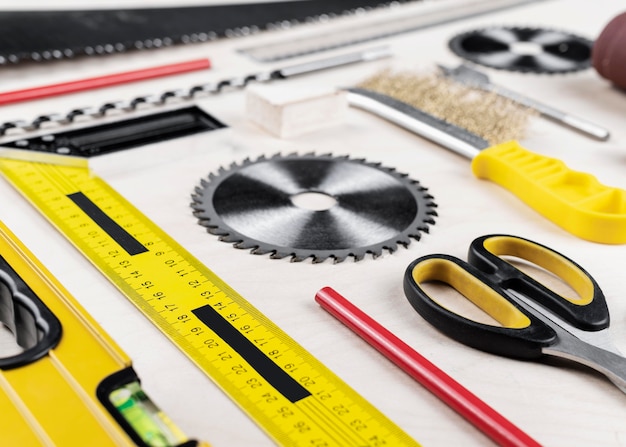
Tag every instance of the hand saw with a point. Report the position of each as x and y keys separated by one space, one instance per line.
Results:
x=49 y=35
x=70 y=384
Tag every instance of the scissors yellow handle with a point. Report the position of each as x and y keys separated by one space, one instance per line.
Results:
x=533 y=319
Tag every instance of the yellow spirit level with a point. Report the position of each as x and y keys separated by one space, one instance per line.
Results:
x=70 y=384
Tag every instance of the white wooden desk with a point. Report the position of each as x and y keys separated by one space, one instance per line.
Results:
x=558 y=404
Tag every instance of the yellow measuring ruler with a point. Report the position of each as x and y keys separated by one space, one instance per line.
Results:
x=283 y=388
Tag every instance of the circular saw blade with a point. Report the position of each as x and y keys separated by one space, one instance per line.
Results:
x=369 y=208
x=528 y=50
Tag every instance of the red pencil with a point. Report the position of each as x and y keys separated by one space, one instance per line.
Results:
x=102 y=81
x=485 y=418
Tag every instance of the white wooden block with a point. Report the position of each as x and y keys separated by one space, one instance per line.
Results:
x=289 y=111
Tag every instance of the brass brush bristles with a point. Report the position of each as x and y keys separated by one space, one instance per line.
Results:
x=493 y=117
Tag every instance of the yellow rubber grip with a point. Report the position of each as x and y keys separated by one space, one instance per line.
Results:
x=575 y=201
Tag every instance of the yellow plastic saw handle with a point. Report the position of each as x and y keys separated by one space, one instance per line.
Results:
x=575 y=201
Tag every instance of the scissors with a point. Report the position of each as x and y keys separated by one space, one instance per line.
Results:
x=534 y=319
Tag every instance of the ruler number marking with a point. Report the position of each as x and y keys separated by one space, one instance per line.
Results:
x=250 y=355
x=271 y=372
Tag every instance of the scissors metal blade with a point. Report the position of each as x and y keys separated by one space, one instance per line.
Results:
x=594 y=349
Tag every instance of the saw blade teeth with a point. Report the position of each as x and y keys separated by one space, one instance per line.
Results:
x=376 y=252
x=417 y=236
x=405 y=242
x=223 y=235
x=245 y=210
x=337 y=259
x=202 y=219
x=278 y=255
x=262 y=250
x=197 y=196
x=300 y=258
x=391 y=247
x=231 y=238
x=358 y=256
x=573 y=52
x=245 y=245
x=258 y=250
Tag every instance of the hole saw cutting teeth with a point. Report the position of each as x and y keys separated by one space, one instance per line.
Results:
x=367 y=208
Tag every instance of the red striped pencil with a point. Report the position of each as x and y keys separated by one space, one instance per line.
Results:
x=464 y=402
x=102 y=81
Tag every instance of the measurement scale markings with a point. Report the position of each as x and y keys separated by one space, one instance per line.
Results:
x=131 y=245
x=271 y=372
x=77 y=203
x=319 y=412
x=330 y=430
x=55 y=178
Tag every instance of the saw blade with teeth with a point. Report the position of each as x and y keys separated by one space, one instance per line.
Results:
x=524 y=49
x=313 y=206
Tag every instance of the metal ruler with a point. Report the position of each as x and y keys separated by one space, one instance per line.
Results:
x=289 y=393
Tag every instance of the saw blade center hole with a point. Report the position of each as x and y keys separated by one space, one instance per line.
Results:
x=314 y=201
x=526 y=48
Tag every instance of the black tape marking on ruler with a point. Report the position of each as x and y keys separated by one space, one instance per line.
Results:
x=131 y=245
x=297 y=384
x=277 y=377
